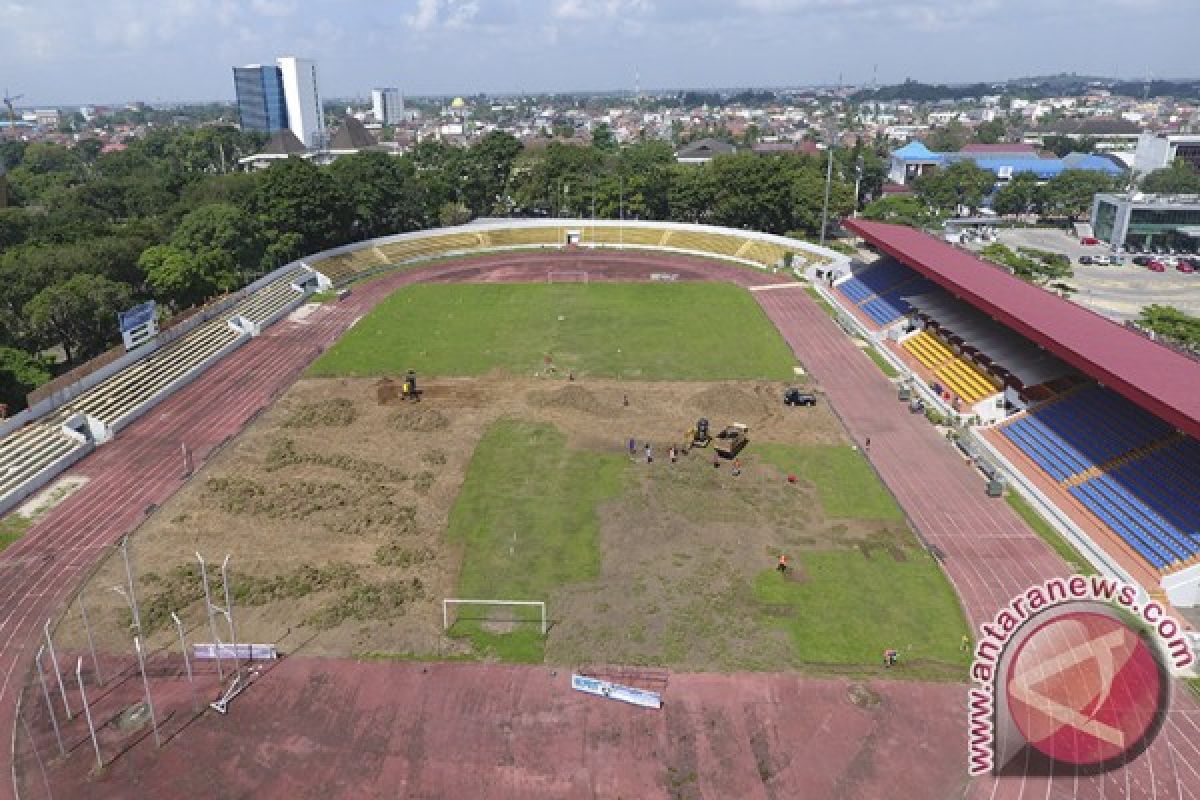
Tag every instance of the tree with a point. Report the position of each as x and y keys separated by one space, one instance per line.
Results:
x=991 y=132
x=1070 y=193
x=223 y=227
x=962 y=184
x=453 y=214
x=182 y=278
x=1179 y=178
x=948 y=139
x=603 y=138
x=20 y=374
x=1172 y=323
x=383 y=191
x=487 y=171
x=14 y=226
x=297 y=197
x=1021 y=195
x=79 y=314
x=902 y=209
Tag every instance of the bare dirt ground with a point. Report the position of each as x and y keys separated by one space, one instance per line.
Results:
x=334 y=506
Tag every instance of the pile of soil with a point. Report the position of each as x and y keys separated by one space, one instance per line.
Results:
x=573 y=397
x=337 y=412
x=727 y=400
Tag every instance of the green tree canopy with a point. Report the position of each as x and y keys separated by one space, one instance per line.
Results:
x=1070 y=193
x=383 y=190
x=294 y=196
x=223 y=227
x=963 y=183
x=1021 y=195
x=20 y=374
x=80 y=314
x=1178 y=178
x=902 y=209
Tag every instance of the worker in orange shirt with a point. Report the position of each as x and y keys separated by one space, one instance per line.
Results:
x=782 y=564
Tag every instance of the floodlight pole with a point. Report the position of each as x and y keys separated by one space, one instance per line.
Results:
x=212 y=624
x=137 y=645
x=133 y=604
x=57 y=672
x=46 y=696
x=828 y=181
x=88 y=712
x=237 y=661
x=187 y=662
x=91 y=643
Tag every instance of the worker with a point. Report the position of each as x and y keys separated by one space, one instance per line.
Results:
x=649 y=454
x=966 y=643
x=890 y=656
x=737 y=467
x=671 y=453
x=632 y=448
x=782 y=566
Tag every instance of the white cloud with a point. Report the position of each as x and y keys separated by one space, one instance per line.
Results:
x=585 y=10
x=431 y=14
x=274 y=8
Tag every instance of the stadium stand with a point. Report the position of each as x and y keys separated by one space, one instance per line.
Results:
x=764 y=253
x=1126 y=466
x=36 y=447
x=337 y=267
x=516 y=237
x=703 y=242
x=879 y=291
x=646 y=237
x=960 y=376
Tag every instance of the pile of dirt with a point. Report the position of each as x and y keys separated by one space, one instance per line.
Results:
x=727 y=400
x=337 y=412
x=863 y=696
x=573 y=397
x=418 y=419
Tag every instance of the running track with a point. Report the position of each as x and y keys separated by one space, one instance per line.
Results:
x=989 y=554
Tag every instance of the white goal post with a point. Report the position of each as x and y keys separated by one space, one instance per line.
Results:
x=456 y=601
x=567 y=276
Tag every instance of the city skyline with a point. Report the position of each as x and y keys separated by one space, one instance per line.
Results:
x=66 y=52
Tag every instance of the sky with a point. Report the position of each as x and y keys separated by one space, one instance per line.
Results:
x=75 y=51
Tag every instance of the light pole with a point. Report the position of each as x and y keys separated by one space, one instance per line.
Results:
x=858 y=172
x=828 y=179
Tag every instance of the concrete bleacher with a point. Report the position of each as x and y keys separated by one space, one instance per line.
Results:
x=703 y=242
x=519 y=237
x=37 y=447
x=622 y=235
x=1124 y=465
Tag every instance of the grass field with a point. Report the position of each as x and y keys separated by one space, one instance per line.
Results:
x=851 y=608
x=884 y=365
x=845 y=482
x=687 y=331
x=12 y=528
x=526 y=518
x=1052 y=537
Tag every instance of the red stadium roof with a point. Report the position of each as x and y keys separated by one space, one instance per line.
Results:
x=1162 y=381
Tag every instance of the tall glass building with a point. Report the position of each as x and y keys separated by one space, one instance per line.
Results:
x=260 y=99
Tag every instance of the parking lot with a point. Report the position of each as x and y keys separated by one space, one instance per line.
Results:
x=1119 y=292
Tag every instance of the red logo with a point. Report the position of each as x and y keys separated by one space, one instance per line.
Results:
x=1085 y=689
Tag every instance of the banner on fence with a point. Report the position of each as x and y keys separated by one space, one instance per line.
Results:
x=248 y=652
x=615 y=691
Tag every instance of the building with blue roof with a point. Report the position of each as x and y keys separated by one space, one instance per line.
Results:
x=915 y=159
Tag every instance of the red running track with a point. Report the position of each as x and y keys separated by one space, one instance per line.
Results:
x=990 y=555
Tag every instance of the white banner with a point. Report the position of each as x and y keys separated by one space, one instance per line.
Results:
x=249 y=652
x=615 y=691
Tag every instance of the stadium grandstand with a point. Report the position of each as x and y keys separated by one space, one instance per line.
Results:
x=1099 y=420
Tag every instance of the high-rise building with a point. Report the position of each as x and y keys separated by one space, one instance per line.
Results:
x=387 y=105
x=305 y=115
x=261 y=106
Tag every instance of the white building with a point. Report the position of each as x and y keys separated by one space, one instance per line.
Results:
x=1158 y=150
x=303 y=97
x=388 y=106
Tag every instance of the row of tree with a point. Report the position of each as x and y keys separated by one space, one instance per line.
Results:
x=93 y=232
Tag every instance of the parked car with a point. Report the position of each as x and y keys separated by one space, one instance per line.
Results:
x=1141 y=261
x=1089 y=240
x=1086 y=260
x=1156 y=266
x=1183 y=265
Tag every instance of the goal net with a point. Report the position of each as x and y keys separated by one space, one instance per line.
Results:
x=567 y=276
x=501 y=613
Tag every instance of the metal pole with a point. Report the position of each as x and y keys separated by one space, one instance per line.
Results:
x=91 y=644
x=137 y=645
x=133 y=604
x=49 y=705
x=445 y=616
x=187 y=460
x=828 y=183
x=57 y=673
x=38 y=755
x=187 y=662
x=212 y=624
x=87 y=712
x=237 y=660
